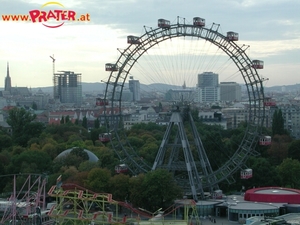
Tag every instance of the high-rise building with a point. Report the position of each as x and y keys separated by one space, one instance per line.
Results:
x=7 y=86
x=208 y=87
x=230 y=91
x=208 y=79
x=68 y=87
x=134 y=87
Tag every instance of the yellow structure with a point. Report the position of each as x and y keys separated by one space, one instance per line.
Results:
x=77 y=205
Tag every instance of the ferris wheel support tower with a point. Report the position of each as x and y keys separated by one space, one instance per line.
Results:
x=191 y=165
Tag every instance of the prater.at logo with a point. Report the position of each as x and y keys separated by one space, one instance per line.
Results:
x=54 y=18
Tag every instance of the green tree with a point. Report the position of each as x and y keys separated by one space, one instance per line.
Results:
x=216 y=107
x=94 y=134
x=18 y=118
x=194 y=113
x=23 y=127
x=96 y=123
x=136 y=189
x=279 y=148
x=34 y=129
x=84 y=122
x=3 y=179
x=294 y=150
x=159 y=190
x=50 y=149
x=74 y=158
x=67 y=120
x=5 y=141
x=98 y=179
x=80 y=153
x=264 y=174
x=106 y=157
x=69 y=173
x=34 y=106
x=17 y=150
x=86 y=166
x=149 y=151
x=30 y=161
x=278 y=123
x=119 y=186
x=62 y=120
x=136 y=141
x=289 y=173
x=61 y=133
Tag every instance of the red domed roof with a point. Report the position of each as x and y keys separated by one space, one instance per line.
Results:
x=273 y=195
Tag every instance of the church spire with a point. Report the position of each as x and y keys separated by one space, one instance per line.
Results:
x=7 y=80
x=184 y=85
x=7 y=75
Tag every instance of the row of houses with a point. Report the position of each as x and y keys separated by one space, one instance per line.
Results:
x=227 y=117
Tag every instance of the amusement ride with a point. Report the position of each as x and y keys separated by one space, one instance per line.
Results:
x=73 y=204
x=193 y=167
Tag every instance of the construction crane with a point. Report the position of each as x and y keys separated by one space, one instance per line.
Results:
x=55 y=94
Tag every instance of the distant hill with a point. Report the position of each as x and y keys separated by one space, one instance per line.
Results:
x=100 y=88
x=283 y=88
x=86 y=87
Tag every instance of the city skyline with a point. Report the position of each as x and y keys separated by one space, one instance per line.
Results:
x=271 y=28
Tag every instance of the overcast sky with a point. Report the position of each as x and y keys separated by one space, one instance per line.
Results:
x=270 y=27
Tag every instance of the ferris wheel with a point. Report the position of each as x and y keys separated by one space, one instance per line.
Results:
x=183 y=48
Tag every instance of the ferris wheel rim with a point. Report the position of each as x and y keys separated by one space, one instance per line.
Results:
x=237 y=54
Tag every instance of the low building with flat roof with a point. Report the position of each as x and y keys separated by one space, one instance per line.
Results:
x=261 y=203
x=274 y=195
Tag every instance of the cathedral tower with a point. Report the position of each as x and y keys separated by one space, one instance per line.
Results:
x=7 y=86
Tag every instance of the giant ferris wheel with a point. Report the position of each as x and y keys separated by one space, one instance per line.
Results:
x=196 y=42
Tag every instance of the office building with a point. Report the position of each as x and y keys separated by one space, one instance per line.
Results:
x=134 y=87
x=208 y=89
x=68 y=87
x=230 y=91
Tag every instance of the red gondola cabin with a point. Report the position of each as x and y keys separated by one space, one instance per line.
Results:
x=232 y=36
x=104 y=137
x=121 y=168
x=133 y=40
x=246 y=174
x=269 y=101
x=257 y=64
x=217 y=194
x=111 y=67
x=265 y=140
x=162 y=23
x=197 y=21
x=101 y=102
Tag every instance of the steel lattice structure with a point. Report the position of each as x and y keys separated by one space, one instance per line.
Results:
x=253 y=83
x=24 y=199
x=87 y=207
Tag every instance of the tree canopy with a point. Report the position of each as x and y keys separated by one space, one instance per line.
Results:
x=23 y=127
x=33 y=148
x=278 y=123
